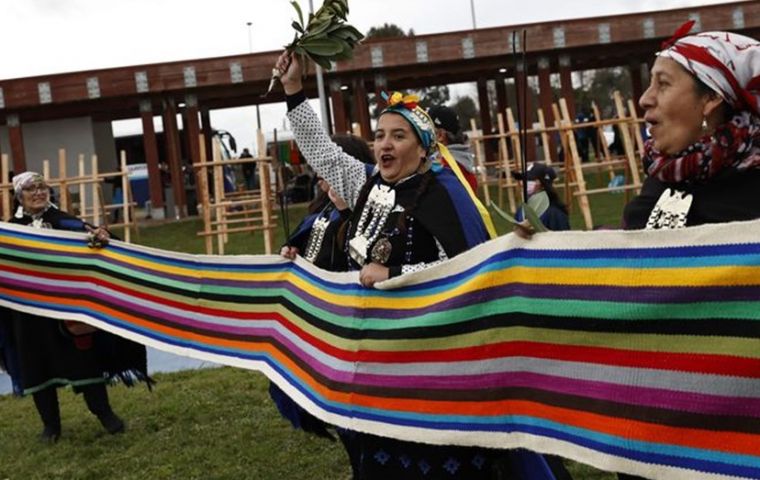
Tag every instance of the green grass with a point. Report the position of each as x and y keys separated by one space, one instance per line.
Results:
x=213 y=423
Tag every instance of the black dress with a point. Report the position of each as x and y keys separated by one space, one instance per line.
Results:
x=45 y=354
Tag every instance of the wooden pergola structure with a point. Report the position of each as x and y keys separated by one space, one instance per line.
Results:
x=195 y=87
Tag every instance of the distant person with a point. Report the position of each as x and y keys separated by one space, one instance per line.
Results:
x=540 y=178
x=249 y=171
x=448 y=131
x=47 y=353
x=584 y=136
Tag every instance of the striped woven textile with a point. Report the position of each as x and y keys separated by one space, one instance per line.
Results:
x=631 y=351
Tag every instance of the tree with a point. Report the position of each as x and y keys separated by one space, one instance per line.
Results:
x=467 y=109
x=388 y=30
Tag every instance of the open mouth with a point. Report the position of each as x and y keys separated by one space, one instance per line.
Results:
x=386 y=159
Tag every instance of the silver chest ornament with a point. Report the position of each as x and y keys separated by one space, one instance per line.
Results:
x=375 y=213
x=316 y=238
x=670 y=211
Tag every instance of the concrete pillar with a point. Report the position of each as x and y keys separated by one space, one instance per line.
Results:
x=501 y=94
x=16 y=139
x=566 y=82
x=150 y=145
x=192 y=128
x=485 y=117
x=637 y=84
x=546 y=97
x=208 y=132
x=362 y=108
x=340 y=117
x=525 y=101
x=173 y=153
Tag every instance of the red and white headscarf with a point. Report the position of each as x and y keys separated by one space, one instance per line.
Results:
x=726 y=62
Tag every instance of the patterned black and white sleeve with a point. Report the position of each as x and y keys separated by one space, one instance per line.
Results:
x=345 y=174
x=416 y=267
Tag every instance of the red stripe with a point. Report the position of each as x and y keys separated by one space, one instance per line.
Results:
x=690 y=362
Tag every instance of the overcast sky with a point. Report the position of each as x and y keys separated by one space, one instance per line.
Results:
x=54 y=36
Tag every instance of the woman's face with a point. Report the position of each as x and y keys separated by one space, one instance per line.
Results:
x=672 y=107
x=34 y=197
x=398 y=151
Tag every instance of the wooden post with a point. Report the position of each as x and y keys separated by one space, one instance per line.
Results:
x=579 y=179
x=546 y=141
x=475 y=145
x=569 y=173
x=636 y=127
x=82 y=188
x=63 y=188
x=219 y=210
x=515 y=134
x=126 y=191
x=633 y=165
x=201 y=178
x=7 y=188
x=266 y=196
x=96 y=200
x=508 y=182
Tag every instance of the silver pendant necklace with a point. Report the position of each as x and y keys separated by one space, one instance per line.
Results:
x=670 y=211
x=375 y=213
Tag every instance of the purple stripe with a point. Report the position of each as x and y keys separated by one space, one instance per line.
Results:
x=627 y=394
x=645 y=295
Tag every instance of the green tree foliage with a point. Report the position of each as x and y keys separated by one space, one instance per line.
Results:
x=388 y=30
x=467 y=109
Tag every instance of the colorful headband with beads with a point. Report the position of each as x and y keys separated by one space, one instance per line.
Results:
x=408 y=107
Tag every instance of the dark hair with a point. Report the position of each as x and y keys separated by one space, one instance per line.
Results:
x=352 y=145
x=554 y=198
x=452 y=138
x=727 y=111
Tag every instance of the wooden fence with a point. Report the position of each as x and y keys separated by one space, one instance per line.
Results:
x=238 y=211
x=80 y=194
x=572 y=172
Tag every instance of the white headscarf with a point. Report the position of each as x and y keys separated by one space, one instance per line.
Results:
x=23 y=180
x=726 y=62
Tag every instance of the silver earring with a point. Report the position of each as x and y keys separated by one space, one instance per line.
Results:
x=704 y=124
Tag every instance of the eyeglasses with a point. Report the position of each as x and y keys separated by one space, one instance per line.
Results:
x=34 y=189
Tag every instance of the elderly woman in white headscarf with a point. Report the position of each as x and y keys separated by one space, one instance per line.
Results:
x=47 y=353
x=703 y=112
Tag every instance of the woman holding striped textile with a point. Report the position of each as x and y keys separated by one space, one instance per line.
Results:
x=703 y=112
x=408 y=216
x=43 y=354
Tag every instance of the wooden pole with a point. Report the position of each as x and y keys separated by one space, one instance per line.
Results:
x=96 y=199
x=579 y=179
x=63 y=189
x=475 y=143
x=266 y=196
x=508 y=182
x=6 y=190
x=219 y=210
x=126 y=196
x=82 y=189
x=201 y=176
x=627 y=142
x=545 y=138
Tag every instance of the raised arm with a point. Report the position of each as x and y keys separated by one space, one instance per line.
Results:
x=345 y=174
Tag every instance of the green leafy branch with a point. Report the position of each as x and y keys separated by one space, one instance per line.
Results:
x=325 y=38
x=532 y=210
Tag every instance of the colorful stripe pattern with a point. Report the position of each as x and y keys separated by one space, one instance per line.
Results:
x=630 y=351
